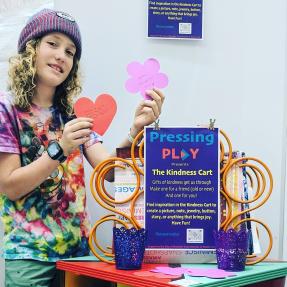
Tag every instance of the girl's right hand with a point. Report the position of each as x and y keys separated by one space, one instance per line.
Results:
x=75 y=133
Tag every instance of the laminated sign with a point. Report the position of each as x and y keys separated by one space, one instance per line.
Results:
x=176 y=19
x=181 y=193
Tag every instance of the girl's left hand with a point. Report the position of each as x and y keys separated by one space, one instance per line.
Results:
x=147 y=111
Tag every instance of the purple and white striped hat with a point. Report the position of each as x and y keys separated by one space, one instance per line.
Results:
x=48 y=21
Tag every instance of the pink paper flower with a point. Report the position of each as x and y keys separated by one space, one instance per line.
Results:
x=145 y=77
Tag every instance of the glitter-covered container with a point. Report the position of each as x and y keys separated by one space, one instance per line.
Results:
x=231 y=249
x=129 y=246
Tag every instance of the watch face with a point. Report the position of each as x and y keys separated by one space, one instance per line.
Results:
x=53 y=149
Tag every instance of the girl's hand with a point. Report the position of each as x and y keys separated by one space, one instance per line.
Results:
x=147 y=111
x=76 y=132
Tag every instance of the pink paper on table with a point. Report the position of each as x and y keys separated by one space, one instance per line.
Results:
x=170 y=271
x=145 y=77
x=197 y=272
x=153 y=274
x=102 y=111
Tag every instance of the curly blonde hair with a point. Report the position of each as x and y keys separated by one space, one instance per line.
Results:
x=22 y=74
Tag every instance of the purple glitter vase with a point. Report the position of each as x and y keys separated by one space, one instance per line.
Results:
x=231 y=249
x=129 y=246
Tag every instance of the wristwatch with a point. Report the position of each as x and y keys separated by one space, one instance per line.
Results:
x=55 y=151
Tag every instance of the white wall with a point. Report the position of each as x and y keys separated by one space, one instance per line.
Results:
x=236 y=75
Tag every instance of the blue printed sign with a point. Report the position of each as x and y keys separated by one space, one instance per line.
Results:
x=181 y=187
x=180 y=19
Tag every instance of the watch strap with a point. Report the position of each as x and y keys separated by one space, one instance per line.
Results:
x=60 y=155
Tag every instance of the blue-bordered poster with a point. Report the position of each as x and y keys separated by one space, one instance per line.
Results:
x=181 y=187
x=180 y=19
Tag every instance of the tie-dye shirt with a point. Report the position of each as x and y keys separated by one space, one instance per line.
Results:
x=50 y=222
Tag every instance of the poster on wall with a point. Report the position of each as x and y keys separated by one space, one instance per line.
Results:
x=179 y=19
x=181 y=188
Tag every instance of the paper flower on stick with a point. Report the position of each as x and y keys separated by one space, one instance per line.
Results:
x=145 y=77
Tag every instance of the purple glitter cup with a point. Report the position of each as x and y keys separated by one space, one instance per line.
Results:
x=231 y=249
x=129 y=246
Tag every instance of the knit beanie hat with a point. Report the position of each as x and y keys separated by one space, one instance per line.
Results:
x=47 y=21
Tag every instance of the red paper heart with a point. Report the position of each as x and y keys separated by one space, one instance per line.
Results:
x=102 y=111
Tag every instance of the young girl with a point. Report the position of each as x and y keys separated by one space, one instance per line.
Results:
x=42 y=144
